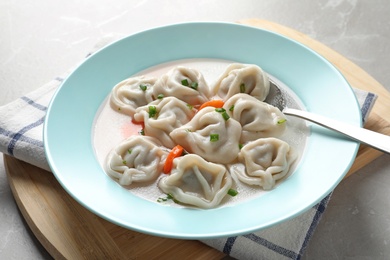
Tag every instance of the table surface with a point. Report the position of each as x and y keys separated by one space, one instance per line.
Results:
x=43 y=39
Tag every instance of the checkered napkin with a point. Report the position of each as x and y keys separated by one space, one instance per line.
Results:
x=21 y=134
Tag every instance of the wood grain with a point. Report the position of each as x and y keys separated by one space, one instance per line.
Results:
x=69 y=231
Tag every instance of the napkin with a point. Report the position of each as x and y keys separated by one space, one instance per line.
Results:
x=21 y=136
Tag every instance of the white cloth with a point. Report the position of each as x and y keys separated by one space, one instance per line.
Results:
x=287 y=240
x=21 y=135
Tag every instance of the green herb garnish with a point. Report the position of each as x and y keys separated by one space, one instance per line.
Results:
x=184 y=82
x=152 y=111
x=124 y=162
x=143 y=87
x=232 y=192
x=160 y=96
x=214 y=137
x=223 y=113
x=142 y=132
x=240 y=146
x=231 y=108
x=194 y=85
x=242 y=88
x=129 y=151
x=168 y=197
x=225 y=116
x=190 y=106
x=281 y=121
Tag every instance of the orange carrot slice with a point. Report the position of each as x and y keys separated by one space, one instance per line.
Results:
x=175 y=152
x=217 y=103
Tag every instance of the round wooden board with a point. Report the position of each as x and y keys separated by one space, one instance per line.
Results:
x=68 y=230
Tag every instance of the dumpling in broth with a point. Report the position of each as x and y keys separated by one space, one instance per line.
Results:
x=258 y=119
x=194 y=181
x=266 y=160
x=184 y=83
x=242 y=78
x=210 y=135
x=136 y=159
x=131 y=93
x=162 y=116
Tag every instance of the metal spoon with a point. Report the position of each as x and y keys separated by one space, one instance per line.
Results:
x=376 y=140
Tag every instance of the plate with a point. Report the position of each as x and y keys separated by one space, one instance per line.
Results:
x=320 y=86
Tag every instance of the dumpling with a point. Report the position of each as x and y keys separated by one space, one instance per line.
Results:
x=131 y=93
x=258 y=119
x=136 y=159
x=242 y=78
x=266 y=160
x=162 y=116
x=184 y=83
x=196 y=182
x=210 y=135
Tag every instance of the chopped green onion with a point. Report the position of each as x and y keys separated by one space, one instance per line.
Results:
x=143 y=87
x=281 y=121
x=168 y=197
x=242 y=88
x=184 y=82
x=225 y=116
x=240 y=146
x=232 y=192
x=190 y=106
x=129 y=151
x=152 y=111
x=231 y=108
x=159 y=200
x=194 y=85
x=124 y=162
x=160 y=96
x=223 y=113
x=214 y=137
x=142 y=132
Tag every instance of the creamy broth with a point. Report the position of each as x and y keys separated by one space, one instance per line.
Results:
x=112 y=127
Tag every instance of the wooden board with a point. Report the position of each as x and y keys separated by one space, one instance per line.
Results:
x=68 y=230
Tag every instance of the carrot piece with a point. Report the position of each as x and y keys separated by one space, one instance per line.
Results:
x=141 y=123
x=175 y=152
x=217 y=103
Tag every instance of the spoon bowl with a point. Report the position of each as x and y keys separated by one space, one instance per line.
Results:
x=276 y=97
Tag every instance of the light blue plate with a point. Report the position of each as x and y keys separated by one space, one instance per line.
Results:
x=321 y=87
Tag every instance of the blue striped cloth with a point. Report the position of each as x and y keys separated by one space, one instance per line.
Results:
x=287 y=240
x=21 y=135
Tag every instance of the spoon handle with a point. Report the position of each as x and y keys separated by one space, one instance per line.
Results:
x=371 y=138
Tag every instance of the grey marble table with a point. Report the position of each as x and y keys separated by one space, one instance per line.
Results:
x=42 y=39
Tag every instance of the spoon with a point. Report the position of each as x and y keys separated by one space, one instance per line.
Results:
x=376 y=140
